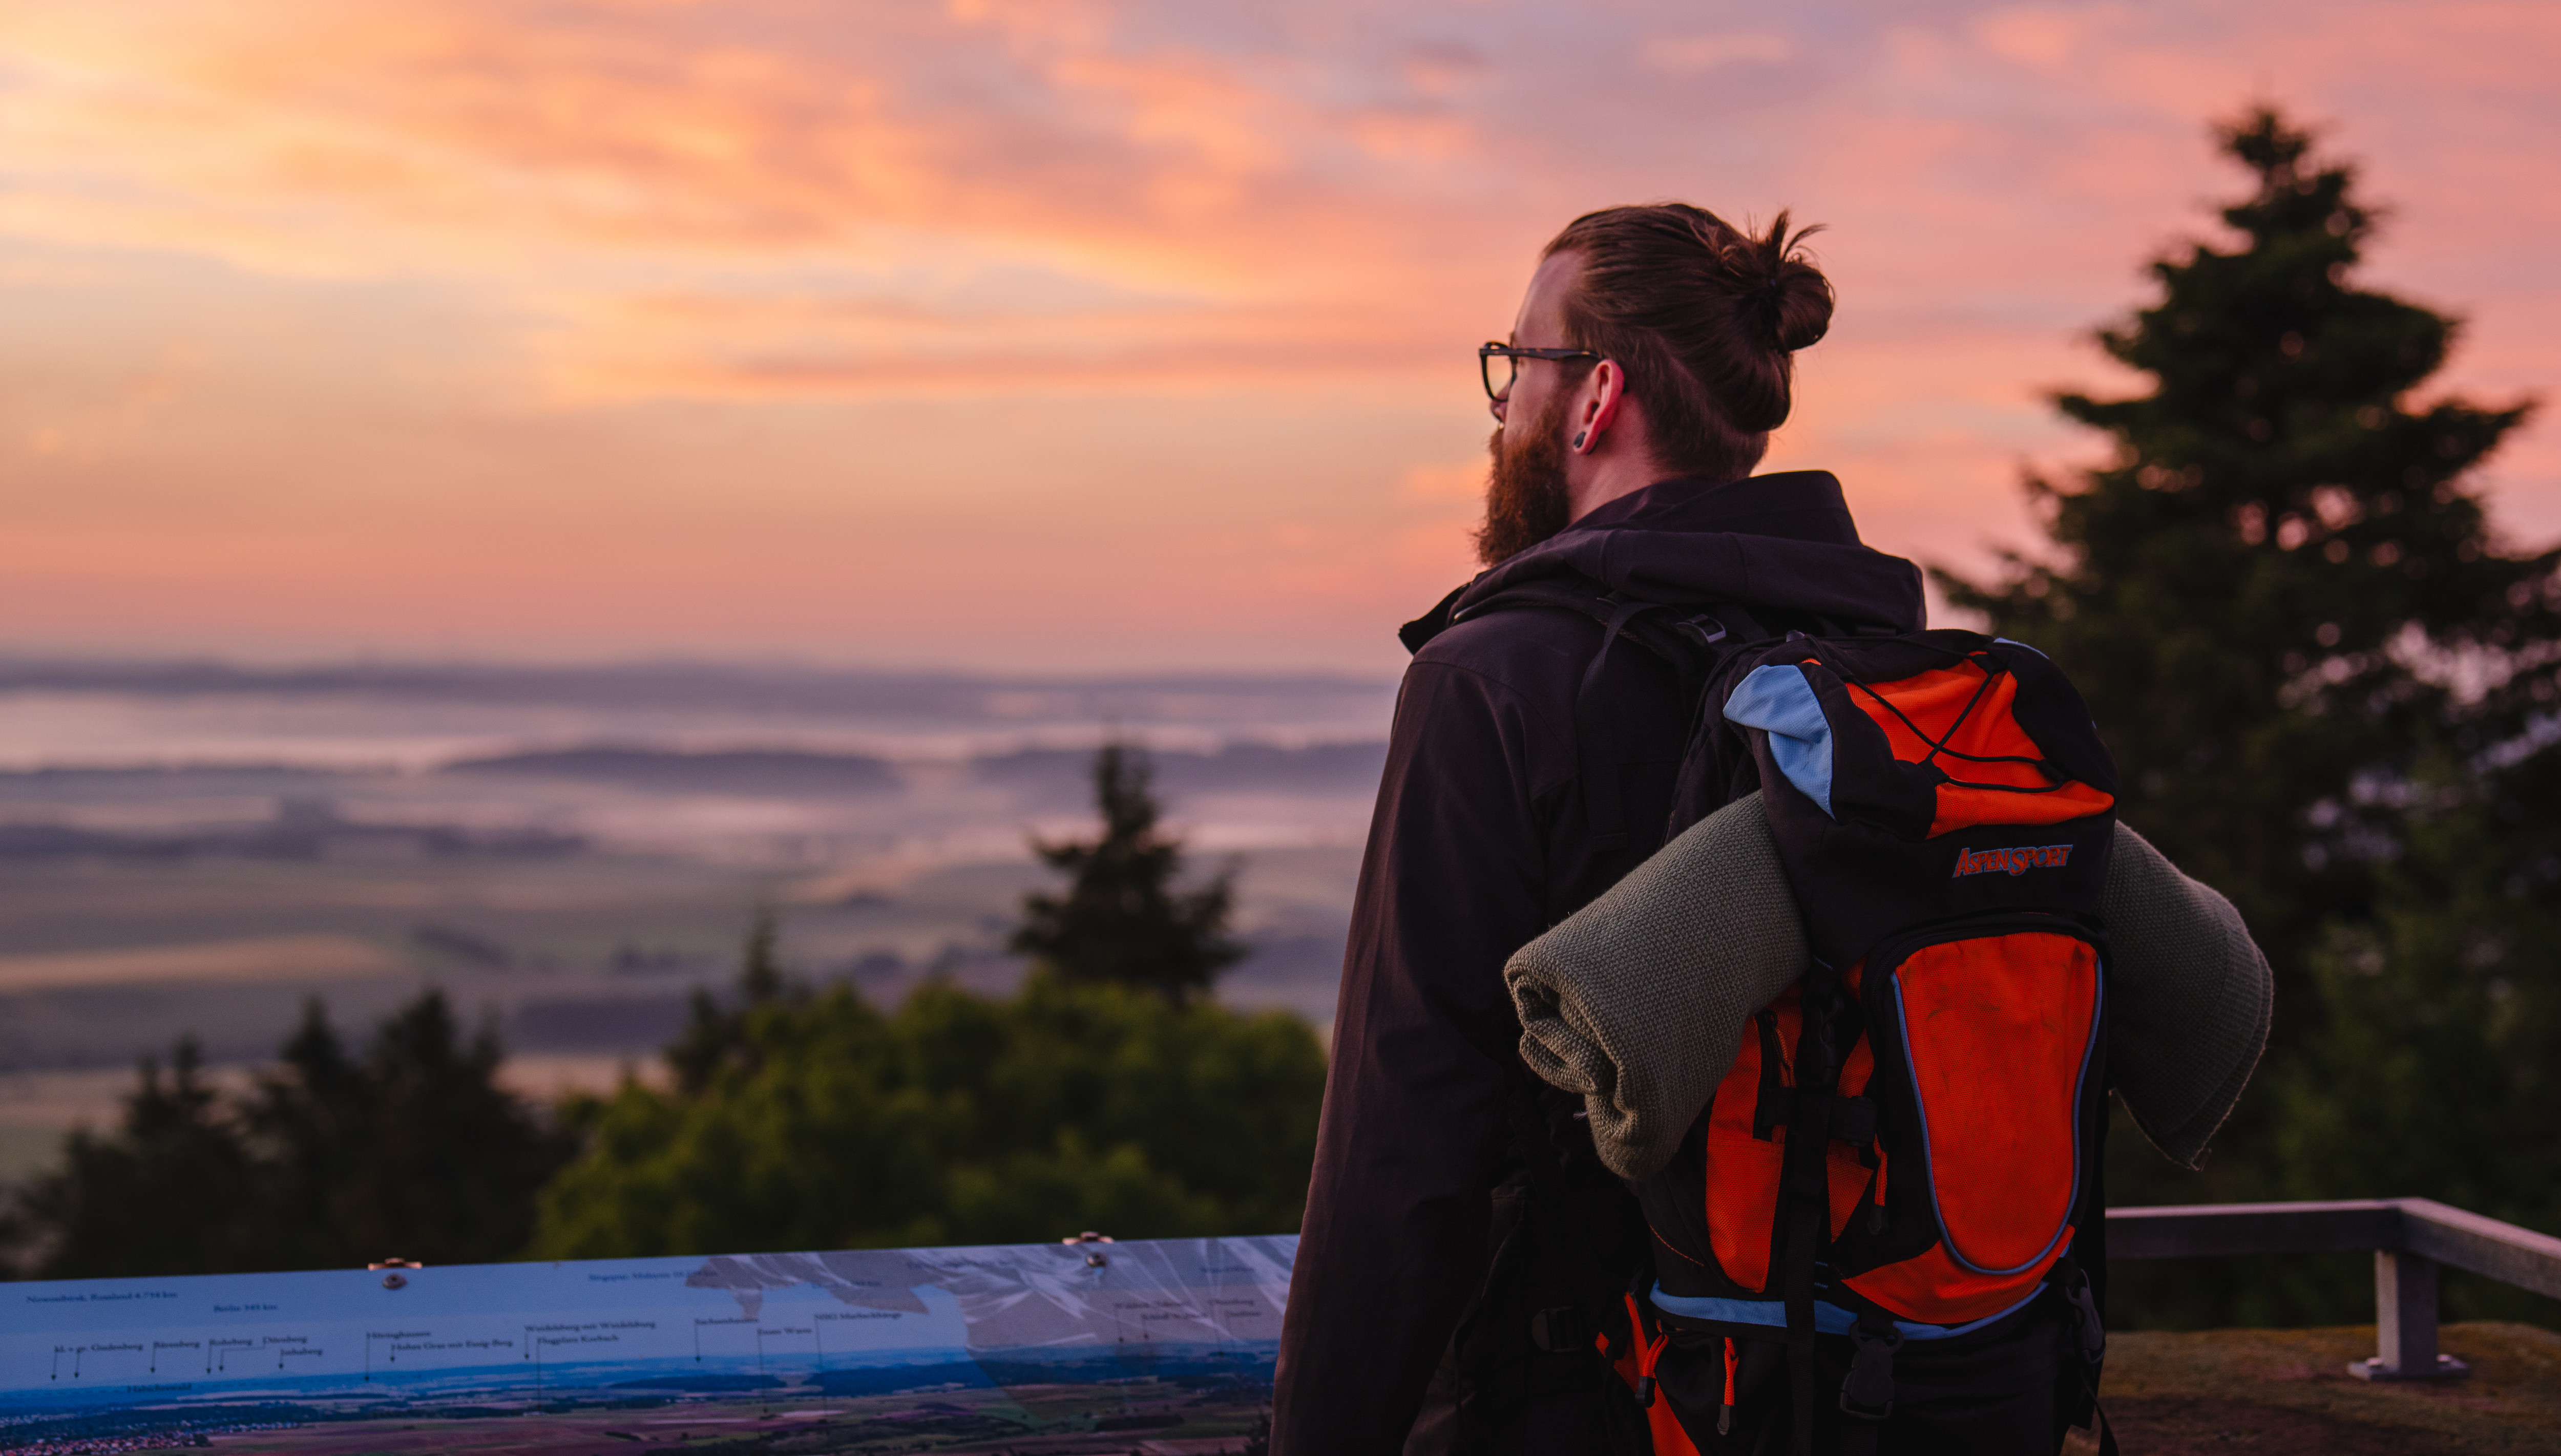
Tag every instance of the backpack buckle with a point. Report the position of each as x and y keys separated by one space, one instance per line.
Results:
x=1563 y=1330
x=1697 y=629
x=1854 y=1121
x=1867 y=1393
x=2093 y=1333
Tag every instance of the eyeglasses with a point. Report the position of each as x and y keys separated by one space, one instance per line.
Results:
x=1499 y=364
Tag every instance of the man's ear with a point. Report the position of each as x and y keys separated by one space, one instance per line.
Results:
x=1598 y=410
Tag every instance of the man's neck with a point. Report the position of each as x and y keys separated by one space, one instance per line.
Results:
x=1595 y=480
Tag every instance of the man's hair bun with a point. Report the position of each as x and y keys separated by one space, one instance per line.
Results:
x=1703 y=317
x=1794 y=298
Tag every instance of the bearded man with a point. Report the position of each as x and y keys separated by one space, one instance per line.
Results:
x=1462 y=1242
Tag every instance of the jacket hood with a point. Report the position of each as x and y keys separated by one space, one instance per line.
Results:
x=1783 y=541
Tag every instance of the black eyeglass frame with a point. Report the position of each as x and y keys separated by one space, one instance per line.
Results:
x=1487 y=353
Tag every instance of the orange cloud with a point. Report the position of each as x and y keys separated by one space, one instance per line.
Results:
x=577 y=157
x=1141 y=328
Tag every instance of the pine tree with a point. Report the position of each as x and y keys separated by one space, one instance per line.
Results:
x=717 y=1037
x=1122 y=921
x=327 y=1162
x=2264 y=593
x=309 y=1115
x=171 y=1191
x=452 y=1160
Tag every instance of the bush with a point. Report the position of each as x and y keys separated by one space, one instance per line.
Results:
x=957 y=1119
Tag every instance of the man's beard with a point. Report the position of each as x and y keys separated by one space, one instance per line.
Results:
x=1525 y=495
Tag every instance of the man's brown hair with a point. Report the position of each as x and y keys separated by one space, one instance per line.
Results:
x=1703 y=318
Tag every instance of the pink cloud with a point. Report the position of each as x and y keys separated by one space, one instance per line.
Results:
x=748 y=322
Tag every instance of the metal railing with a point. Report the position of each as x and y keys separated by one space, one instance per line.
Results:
x=2408 y=1239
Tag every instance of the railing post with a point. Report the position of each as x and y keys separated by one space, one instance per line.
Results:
x=2405 y=1323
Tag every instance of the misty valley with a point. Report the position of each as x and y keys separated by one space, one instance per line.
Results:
x=198 y=850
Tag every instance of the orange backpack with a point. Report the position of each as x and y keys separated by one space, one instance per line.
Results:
x=1944 y=808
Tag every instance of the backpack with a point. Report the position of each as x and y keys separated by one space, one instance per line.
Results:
x=1944 y=810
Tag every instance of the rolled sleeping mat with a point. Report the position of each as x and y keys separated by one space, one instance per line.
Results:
x=1639 y=1001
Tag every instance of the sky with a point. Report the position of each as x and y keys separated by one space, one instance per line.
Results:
x=1077 y=335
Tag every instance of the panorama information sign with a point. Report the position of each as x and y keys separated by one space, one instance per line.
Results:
x=1162 y=1345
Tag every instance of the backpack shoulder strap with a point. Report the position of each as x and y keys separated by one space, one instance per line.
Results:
x=1695 y=639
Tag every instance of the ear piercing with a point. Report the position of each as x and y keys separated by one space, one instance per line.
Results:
x=1579 y=439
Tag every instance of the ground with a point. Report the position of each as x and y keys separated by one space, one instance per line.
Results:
x=2280 y=1393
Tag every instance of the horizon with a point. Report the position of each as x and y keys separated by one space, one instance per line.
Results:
x=280 y=667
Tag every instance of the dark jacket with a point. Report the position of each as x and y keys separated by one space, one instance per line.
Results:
x=1440 y=1161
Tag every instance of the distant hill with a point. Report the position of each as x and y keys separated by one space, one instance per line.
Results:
x=1040 y=772
x=195 y=777
x=752 y=772
x=301 y=829
x=1237 y=768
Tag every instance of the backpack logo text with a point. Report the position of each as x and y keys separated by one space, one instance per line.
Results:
x=2012 y=862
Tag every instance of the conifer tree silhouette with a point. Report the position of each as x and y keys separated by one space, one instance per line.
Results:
x=1122 y=921
x=328 y=1159
x=170 y=1191
x=717 y=1037
x=2252 y=593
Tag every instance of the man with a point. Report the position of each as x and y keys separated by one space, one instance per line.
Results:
x=1462 y=1240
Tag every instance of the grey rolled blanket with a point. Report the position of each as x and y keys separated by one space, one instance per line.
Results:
x=1639 y=1001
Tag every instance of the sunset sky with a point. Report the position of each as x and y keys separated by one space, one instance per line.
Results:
x=1069 y=334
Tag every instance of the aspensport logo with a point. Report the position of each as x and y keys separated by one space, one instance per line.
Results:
x=2013 y=862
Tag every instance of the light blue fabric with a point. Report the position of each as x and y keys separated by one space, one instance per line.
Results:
x=1829 y=1319
x=1778 y=700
